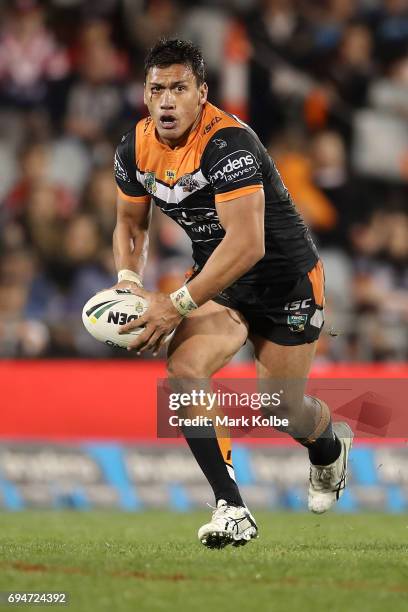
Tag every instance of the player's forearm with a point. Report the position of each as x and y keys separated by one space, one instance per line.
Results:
x=229 y=261
x=130 y=247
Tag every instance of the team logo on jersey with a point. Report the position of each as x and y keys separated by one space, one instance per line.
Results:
x=220 y=143
x=188 y=183
x=150 y=182
x=297 y=322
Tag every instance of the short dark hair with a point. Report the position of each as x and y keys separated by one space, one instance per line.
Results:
x=175 y=51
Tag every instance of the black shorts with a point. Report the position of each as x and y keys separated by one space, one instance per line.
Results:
x=288 y=313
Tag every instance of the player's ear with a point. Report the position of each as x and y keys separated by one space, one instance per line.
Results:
x=203 y=93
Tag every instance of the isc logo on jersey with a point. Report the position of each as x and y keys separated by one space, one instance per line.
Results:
x=234 y=167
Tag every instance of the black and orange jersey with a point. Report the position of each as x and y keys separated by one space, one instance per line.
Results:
x=222 y=159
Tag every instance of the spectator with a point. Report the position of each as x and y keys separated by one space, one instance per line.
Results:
x=353 y=67
x=331 y=174
x=391 y=30
x=390 y=93
x=100 y=200
x=34 y=170
x=29 y=57
x=297 y=172
x=95 y=102
x=381 y=284
x=145 y=22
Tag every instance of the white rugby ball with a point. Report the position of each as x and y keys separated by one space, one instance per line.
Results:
x=108 y=310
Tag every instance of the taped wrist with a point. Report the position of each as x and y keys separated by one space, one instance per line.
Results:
x=182 y=301
x=129 y=275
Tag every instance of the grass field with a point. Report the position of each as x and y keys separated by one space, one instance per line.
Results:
x=151 y=562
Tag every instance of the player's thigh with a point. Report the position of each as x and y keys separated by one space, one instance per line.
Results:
x=286 y=367
x=205 y=341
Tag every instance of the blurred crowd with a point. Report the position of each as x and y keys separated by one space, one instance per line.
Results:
x=323 y=82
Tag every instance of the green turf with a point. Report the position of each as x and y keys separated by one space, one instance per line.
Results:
x=151 y=562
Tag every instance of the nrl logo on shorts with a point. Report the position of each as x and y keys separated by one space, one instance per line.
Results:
x=188 y=183
x=297 y=322
x=150 y=182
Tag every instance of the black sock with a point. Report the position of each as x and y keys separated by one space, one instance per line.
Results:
x=326 y=449
x=209 y=457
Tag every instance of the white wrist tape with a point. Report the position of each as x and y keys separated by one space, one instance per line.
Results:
x=182 y=301
x=129 y=275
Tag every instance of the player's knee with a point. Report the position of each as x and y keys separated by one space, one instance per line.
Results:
x=285 y=410
x=184 y=377
x=177 y=368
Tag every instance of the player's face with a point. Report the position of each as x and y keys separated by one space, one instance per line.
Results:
x=174 y=100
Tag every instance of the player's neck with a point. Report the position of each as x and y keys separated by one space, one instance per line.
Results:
x=182 y=141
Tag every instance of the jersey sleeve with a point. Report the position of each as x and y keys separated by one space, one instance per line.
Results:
x=231 y=163
x=129 y=188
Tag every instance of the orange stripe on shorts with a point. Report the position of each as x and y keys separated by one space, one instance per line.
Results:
x=316 y=277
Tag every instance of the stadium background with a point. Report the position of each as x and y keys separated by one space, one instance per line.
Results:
x=325 y=85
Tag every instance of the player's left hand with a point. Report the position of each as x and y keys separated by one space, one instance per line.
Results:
x=160 y=320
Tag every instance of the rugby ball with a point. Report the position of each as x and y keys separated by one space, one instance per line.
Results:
x=108 y=310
